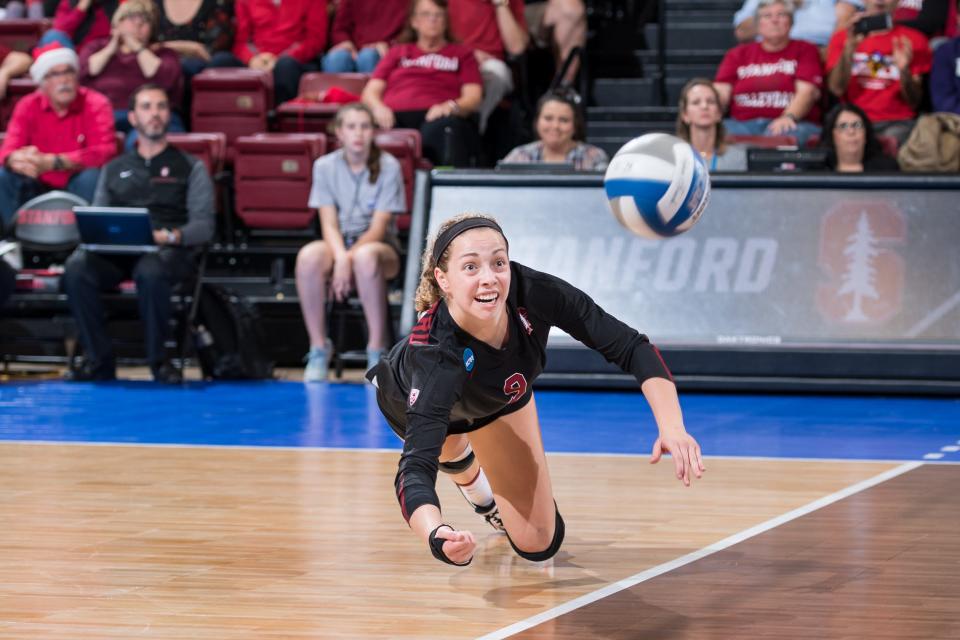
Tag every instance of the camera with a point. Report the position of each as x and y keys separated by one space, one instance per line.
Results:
x=876 y=22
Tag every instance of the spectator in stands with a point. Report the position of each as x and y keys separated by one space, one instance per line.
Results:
x=945 y=77
x=199 y=31
x=16 y=10
x=771 y=87
x=13 y=64
x=77 y=22
x=854 y=148
x=881 y=72
x=560 y=133
x=177 y=190
x=813 y=20
x=933 y=18
x=427 y=82
x=356 y=189
x=117 y=65
x=700 y=122
x=362 y=33
x=58 y=136
x=558 y=25
x=494 y=29
x=285 y=38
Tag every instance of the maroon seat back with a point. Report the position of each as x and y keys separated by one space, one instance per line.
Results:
x=208 y=146
x=406 y=146
x=272 y=179
x=16 y=89
x=235 y=102
x=316 y=116
x=22 y=35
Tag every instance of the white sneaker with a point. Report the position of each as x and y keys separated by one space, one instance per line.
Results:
x=492 y=516
x=317 y=362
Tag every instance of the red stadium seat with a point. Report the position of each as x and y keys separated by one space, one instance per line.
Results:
x=208 y=146
x=211 y=149
x=22 y=35
x=766 y=142
x=406 y=146
x=316 y=116
x=272 y=179
x=16 y=89
x=235 y=102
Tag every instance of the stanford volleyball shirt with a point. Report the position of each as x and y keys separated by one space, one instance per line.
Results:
x=764 y=82
x=417 y=80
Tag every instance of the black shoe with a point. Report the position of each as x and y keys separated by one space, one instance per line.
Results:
x=91 y=372
x=166 y=373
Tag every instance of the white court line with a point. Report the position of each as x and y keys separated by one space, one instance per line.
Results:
x=653 y=572
x=266 y=447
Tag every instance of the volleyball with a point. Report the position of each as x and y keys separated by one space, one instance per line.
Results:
x=657 y=185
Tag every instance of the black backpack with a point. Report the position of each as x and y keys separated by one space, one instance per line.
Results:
x=228 y=337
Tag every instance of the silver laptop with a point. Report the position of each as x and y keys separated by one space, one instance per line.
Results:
x=115 y=229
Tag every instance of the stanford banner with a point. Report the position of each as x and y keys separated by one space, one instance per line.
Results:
x=762 y=267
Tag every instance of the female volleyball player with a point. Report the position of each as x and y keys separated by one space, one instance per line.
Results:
x=458 y=392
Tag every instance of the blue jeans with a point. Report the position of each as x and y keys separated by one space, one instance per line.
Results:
x=16 y=188
x=340 y=61
x=758 y=127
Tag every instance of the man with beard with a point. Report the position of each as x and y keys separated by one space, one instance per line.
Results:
x=177 y=190
x=58 y=136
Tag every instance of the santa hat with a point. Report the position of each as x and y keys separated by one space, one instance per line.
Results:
x=50 y=56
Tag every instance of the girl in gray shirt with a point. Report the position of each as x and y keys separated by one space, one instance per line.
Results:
x=356 y=189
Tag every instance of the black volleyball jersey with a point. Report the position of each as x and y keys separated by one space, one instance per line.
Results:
x=441 y=380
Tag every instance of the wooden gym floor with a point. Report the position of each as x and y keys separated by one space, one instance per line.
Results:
x=267 y=511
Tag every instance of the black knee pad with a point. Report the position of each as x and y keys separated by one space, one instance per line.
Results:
x=539 y=556
x=459 y=465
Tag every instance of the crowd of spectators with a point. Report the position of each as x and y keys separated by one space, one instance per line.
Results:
x=874 y=59
x=441 y=67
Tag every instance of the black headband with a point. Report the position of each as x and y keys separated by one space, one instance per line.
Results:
x=447 y=236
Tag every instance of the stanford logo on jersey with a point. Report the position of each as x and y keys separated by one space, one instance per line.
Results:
x=522 y=313
x=414 y=394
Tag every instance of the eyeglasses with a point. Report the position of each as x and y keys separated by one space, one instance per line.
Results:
x=53 y=75
x=431 y=15
x=772 y=16
x=857 y=125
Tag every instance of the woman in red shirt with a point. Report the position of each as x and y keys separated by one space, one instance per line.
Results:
x=429 y=83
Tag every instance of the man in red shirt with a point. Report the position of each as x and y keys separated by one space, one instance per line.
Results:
x=881 y=71
x=494 y=29
x=58 y=137
x=285 y=37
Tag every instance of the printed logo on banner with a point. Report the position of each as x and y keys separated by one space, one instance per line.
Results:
x=865 y=273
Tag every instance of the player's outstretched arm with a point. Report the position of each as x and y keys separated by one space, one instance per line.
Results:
x=458 y=546
x=673 y=439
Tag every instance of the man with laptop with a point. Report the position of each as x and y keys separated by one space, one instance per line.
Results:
x=177 y=193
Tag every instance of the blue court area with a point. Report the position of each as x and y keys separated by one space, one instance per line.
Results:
x=291 y=414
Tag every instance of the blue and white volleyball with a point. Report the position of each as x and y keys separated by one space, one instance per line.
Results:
x=658 y=186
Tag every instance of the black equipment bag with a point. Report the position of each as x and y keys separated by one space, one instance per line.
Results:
x=228 y=337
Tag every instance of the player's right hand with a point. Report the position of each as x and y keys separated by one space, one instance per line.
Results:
x=459 y=545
